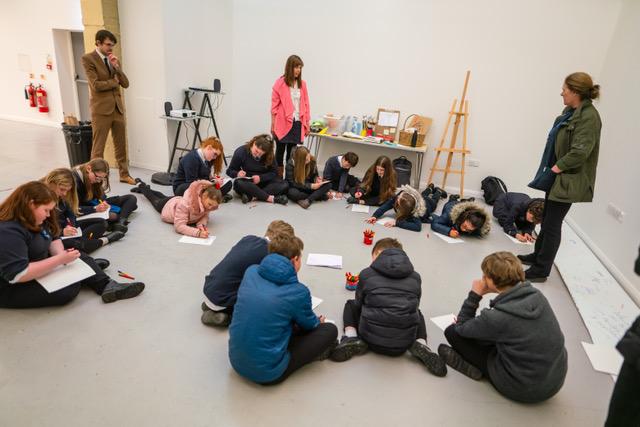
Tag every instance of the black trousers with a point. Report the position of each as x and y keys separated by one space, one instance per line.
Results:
x=92 y=231
x=297 y=194
x=548 y=241
x=157 y=199
x=368 y=199
x=351 y=184
x=431 y=199
x=351 y=317
x=306 y=346
x=127 y=204
x=624 y=409
x=473 y=351
x=32 y=295
x=290 y=140
x=179 y=191
x=260 y=191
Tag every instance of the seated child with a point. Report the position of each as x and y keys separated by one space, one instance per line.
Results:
x=385 y=313
x=222 y=283
x=202 y=163
x=30 y=248
x=431 y=196
x=92 y=184
x=94 y=235
x=518 y=214
x=305 y=186
x=254 y=168
x=336 y=170
x=408 y=205
x=189 y=214
x=378 y=185
x=461 y=217
x=516 y=343
x=274 y=330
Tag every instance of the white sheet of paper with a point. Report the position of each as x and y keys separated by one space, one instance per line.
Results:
x=449 y=239
x=444 y=321
x=65 y=275
x=315 y=301
x=388 y=118
x=197 y=241
x=96 y=215
x=516 y=241
x=325 y=260
x=603 y=358
x=78 y=234
x=360 y=208
x=243 y=177
x=383 y=221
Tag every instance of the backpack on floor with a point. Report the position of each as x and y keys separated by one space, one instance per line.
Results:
x=402 y=167
x=492 y=187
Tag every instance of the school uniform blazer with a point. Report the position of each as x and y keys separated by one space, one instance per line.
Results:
x=282 y=108
x=104 y=89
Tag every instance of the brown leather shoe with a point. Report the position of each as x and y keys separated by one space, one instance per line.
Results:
x=128 y=180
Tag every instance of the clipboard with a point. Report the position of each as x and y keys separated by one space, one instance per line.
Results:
x=387 y=123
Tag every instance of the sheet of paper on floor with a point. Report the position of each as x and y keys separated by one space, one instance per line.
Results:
x=444 y=321
x=448 y=239
x=603 y=358
x=382 y=221
x=360 y=208
x=315 y=301
x=325 y=260
x=78 y=234
x=197 y=241
x=516 y=241
x=65 y=275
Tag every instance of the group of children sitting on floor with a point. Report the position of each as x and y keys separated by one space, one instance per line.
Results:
x=517 y=344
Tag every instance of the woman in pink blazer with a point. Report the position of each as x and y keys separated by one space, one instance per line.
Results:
x=289 y=110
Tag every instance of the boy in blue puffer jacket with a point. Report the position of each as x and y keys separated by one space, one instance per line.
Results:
x=274 y=330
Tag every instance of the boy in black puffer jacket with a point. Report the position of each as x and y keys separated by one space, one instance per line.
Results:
x=518 y=214
x=385 y=312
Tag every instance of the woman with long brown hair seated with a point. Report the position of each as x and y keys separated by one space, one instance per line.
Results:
x=305 y=185
x=378 y=185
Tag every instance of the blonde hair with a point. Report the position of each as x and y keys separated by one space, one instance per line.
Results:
x=582 y=84
x=503 y=268
x=279 y=227
x=287 y=246
x=64 y=176
x=302 y=170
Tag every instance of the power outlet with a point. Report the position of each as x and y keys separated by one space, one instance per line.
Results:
x=474 y=163
x=616 y=212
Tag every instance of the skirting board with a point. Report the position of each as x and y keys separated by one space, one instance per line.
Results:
x=30 y=120
x=626 y=284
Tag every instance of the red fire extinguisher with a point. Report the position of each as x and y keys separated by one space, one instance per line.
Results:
x=30 y=94
x=41 y=96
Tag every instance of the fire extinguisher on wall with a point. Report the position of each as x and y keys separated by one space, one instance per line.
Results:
x=30 y=94
x=41 y=96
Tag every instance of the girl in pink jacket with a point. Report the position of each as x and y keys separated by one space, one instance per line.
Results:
x=189 y=213
x=289 y=110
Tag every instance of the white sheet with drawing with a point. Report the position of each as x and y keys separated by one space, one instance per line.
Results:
x=197 y=240
x=65 y=275
x=325 y=260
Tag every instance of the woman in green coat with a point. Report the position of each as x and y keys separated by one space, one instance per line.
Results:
x=568 y=170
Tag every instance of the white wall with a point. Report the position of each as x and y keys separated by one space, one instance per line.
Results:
x=26 y=28
x=618 y=174
x=412 y=55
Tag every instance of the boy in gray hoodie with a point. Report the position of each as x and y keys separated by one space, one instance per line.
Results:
x=517 y=343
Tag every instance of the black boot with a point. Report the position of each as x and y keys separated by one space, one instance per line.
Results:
x=138 y=187
x=102 y=263
x=528 y=259
x=120 y=226
x=114 y=236
x=432 y=361
x=115 y=291
x=453 y=359
x=443 y=194
x=454 y=197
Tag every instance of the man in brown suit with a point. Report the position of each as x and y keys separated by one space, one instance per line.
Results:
x=107 y=109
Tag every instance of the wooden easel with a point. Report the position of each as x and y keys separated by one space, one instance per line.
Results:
x=459 y=116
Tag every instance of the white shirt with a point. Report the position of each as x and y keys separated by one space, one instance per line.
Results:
x=295 y=99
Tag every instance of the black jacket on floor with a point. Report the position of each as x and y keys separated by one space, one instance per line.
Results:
x=243 y=160
x=510 y=209
x=389 y=296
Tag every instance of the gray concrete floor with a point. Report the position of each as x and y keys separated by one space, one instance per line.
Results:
x=149 y=360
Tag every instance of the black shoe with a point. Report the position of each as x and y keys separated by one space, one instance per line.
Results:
x=325 y=354
x=443 y=194
x=468 y=199
x=453 y=359
x=115 y=291
x=352 y=200
x=102 y=263
x=454 y=197
x=348 y=347
x=245 y=199
x=138 y=186
x=227 y=198
x=215 y=318
x=528 y=259
x=534 y=276
x=114 y=236
x=281 y=199
x=119 y=227
x=432 y=361
x=304 y=203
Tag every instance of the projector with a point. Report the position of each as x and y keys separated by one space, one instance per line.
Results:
x=182 y=113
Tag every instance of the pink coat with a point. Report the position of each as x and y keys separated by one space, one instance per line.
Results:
x=282 y=108
x=188 y=209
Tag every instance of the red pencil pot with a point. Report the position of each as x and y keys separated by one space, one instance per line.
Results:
x=368 y=240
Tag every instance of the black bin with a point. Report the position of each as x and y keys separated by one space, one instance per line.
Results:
x=78 y=140
x=403 y=171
